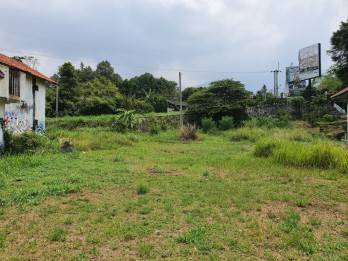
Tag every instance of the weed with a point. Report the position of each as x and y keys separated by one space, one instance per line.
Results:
x=145 y=250
x=68 y=221
x=142 y=189
x=2 y=241
x=290 y=221
x=314 y=221
x=188 y=132
x=344 y=233
x=301 y=202
x=57 y=234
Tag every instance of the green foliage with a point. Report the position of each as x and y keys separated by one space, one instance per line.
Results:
x=158 y=103
x=299 y=154
x=245 y=134
x=188 y=132
x=124 y=122
x=142 y=189
x=186 y=93
x=339 y=52
x=265 y=147
x=26 y=142
x=105 y=70
x=221 y=98
x=140 y=86
x=226 y=123
x=99 y=96
x=290 y=221
x=69 y=91
x=57 y=234
x=208 y=125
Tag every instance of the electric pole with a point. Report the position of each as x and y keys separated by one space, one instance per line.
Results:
x=180 y=95
x=275 y=72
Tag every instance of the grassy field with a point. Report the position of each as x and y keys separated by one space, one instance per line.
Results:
x=140 y=196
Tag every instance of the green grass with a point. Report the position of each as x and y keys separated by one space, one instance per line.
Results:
x=140 y=196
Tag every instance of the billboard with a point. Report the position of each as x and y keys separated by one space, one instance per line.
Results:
x=309 y=62
x=293 y=81
x=292 y=74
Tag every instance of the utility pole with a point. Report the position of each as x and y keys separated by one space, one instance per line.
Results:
x=275 y=91
x=180 y=95
x=57 y=100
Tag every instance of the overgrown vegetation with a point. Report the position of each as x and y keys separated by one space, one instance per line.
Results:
x=140 y=195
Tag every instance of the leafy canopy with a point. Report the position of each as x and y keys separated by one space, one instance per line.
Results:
x=222 y=98
x=339 y=52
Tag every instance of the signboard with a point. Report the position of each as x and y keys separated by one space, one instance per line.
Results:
x=293 y=81
x=292 y=74
x=309 y=62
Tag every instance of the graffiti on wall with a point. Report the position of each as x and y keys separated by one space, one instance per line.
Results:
x=16 y=123
x=40 y=128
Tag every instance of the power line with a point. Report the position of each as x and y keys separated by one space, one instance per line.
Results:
x=145 y=67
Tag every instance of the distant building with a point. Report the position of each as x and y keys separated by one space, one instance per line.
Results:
x=175 y=106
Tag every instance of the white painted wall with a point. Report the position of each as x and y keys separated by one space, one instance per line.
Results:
x=19 y=114
x=4 y=82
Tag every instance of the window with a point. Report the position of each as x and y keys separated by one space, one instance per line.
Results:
x=14 y=83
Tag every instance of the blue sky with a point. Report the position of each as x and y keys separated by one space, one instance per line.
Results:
x=206 y=40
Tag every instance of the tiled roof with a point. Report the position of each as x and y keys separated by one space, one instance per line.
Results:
x=341 y=93
x=13 y=63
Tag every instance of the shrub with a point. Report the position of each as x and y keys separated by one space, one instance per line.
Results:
x=23 y=142
x=328 y=118
x=155 y=129
x=208 y=125
x=124 y=122
x=188 y=132
x=226 y=123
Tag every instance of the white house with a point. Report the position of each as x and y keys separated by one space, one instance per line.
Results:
x=22 y=96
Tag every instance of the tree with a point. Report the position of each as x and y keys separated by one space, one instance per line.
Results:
x=99 y=96
x=104 y=69
x=222 y=98
x=339 y=52
x=140 y=86
x=68 y=89
x=329 y=82
x=85 y=73
x=189 y=91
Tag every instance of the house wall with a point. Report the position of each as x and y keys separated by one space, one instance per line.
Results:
x=18 y=115
x=4 y=82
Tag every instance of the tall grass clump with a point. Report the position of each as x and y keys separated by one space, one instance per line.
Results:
x=318 y=155
x=245 y=134
x=265 y=147
x=188 y=132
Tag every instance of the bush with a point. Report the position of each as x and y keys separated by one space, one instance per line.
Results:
x=155 y=129
x=124 y=122
x=208 y=125
x=23 y=143
x=188 y=132
x=328 y=118
x=226 y=123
